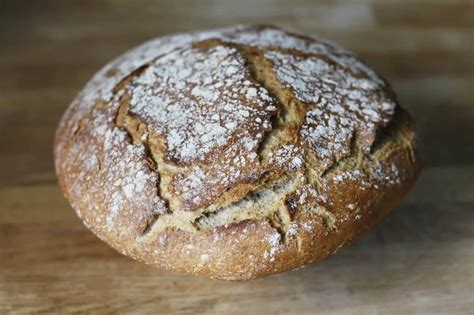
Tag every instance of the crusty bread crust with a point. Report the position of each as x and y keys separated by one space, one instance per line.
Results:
x=236 y=153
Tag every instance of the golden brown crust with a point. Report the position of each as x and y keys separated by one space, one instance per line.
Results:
x=234 y=154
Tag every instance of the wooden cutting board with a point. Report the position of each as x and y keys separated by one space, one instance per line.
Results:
x=420 y=259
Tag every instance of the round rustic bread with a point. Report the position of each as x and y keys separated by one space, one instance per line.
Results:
x=235 y=153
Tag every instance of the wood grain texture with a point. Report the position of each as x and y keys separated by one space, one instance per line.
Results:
x=419 y=260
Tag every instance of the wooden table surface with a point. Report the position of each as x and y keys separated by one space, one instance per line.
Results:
x=420 y=259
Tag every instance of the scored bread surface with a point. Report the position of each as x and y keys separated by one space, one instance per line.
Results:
x=234 y=153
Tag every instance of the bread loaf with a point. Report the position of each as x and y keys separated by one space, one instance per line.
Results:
x=234 y=153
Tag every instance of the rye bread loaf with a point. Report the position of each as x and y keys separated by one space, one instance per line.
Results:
x=234 y=153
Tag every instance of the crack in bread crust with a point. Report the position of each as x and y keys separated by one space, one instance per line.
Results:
x=286 y=122
x=289 y=117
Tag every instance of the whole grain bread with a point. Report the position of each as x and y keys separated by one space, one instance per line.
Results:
x=234 y=153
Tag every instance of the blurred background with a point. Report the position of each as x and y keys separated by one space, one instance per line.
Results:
x=420 y=259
